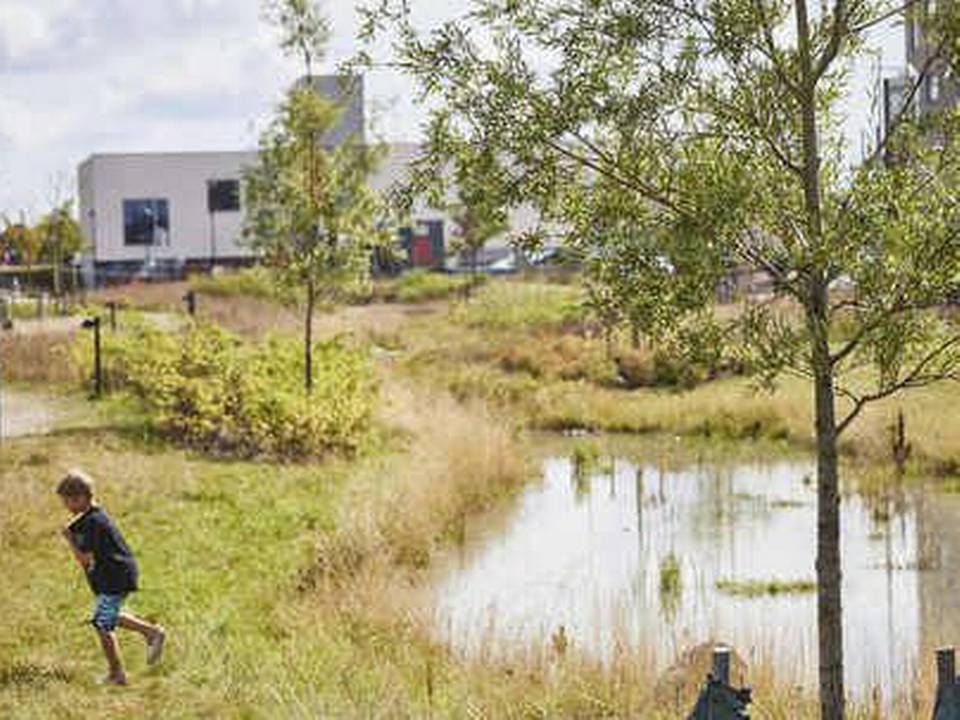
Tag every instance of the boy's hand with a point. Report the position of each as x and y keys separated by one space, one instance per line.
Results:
x=84 y=559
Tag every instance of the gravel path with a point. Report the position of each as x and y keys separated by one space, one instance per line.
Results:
x=30 y=413
x=46 y=326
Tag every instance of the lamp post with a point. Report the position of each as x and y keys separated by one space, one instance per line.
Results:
x=93 y=323
x=190 y=299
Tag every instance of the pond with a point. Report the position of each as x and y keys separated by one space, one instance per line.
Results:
x=631 y=546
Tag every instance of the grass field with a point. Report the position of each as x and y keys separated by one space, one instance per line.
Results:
x=296 y=591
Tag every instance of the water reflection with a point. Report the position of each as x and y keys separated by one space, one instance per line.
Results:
x=633 y=550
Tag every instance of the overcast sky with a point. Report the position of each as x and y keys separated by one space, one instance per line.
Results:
x=92 y=76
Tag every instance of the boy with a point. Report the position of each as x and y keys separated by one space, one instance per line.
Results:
x=111 y=571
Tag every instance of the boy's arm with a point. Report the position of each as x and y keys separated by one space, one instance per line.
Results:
x=84 y=559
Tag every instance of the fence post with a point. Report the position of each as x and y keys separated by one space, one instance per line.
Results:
x=948 y=696
x=191 y=300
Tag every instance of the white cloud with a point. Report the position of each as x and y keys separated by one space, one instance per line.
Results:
x=23 y=29
x=84 y=76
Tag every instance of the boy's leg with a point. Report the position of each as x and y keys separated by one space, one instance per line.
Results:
x=155 y=635
x=108 y=642
x=129 y=621
x=106 y=614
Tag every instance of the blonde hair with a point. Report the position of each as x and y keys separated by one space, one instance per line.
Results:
x=76 y=483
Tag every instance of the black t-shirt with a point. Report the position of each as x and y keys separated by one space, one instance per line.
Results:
x=114 y=570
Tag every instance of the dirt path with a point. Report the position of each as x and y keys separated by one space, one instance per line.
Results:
x=32 y=413
x=46 y=326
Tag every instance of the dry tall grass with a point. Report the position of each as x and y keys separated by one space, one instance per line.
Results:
x=38 y=357
x=459 y=460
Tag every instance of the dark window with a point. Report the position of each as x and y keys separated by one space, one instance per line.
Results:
x=146 y=222
x=223 y=195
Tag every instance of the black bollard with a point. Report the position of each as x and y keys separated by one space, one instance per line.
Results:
x=948 y=686
x=191 y=300
x=94 y=324
x=718 y=700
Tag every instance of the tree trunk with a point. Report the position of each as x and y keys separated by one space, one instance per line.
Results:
x=308 y=337
x=57 y=289
x=829 y=606
x=829 y=571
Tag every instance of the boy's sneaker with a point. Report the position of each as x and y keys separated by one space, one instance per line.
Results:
x=155 y=646
x=111 y=680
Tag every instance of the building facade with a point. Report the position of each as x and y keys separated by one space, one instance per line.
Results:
x=939 y=90
x=141 y=210
x=162 y=213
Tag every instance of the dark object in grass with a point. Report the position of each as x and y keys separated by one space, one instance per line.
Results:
x=718 y=700
x=23 y=674
x=948 y=686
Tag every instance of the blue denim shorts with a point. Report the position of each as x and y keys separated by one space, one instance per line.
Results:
x=106 y=611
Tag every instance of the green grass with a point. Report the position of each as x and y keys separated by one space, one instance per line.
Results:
x=256 y=282
x=419 y=286
x=220 y=544
x=529 y=348
x=262 y=283
x=761 y=588
x=507 y=305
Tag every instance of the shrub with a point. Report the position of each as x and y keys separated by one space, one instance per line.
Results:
x=635 y=368
x=514 y=305
x=417 y=286
x=257 y=282
x=209 y=390
x=565 y=357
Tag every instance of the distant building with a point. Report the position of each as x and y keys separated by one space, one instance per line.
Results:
x=348 y=92
x=163 y=213
x=159 y=213
x=940 y=90
x=894 y=95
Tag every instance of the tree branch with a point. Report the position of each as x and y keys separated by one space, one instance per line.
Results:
x=836 y=39
x=645 y=190
x=772 y=53
x=882 y=18
x=914 y=379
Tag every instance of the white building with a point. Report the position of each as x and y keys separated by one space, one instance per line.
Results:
x=153 y=208
x=157 y=212
x=184 y=209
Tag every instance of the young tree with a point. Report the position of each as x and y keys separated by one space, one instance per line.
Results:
x=688 y=136
x=311 y=213
x=478 y=213
x=62 y=238
x=25 y=240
